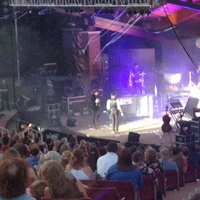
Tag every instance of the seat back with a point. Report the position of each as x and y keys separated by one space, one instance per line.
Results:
x=148 y=191
x=181 y=178
x=172 y=180
x=162 y=182
x=124 y=188
x=191 y=174
x=103 y=193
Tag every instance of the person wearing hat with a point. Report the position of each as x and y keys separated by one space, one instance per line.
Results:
x=167 y=164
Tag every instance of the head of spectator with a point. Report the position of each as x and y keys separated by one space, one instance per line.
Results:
x=165 y=153
x=125 y=160
x=11 y=153
x=5 y=143
x=64 y=140
x=185 y=151
x=138 y=158
x=77 y=159
x=65 y=158
x=64 y=147
x=13 y=171
x=34 y=150
x=150 y=155
x=73 y=142
x=37 y=189
x=93 y=155
x=59 y=184
x=22 y=149
x=112 y=147
x=50 y=144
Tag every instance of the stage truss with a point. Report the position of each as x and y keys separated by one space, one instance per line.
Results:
x=82 y=3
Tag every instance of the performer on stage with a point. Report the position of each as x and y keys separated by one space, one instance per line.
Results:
x=95 y=105
x=114 y=108
x=4 y=95
x=136 y=79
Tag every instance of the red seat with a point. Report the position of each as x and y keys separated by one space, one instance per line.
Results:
x=172 y=180
x=123 y=188
x=191 y=174
x=181 y=178
x=162 y=182
x=148 y=191
x=103 y=193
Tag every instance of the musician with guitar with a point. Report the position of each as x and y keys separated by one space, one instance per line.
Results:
x=136 y=80
x=4 y=95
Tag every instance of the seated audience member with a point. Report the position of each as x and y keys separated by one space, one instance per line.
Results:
x=178 y=158
x=152 y=161
x=193 y=156
x=138 y=159
x=36 y=190
x=53 y=155
x=125 y=170
x=34 y=157
x=24 y=154
x=13 y=179
x=168 y=164
x=93 y=155
x=5 y=143
x=106 y=161
x=11 y=153
x=59 y=185
x=65 y=158
x=78 y=167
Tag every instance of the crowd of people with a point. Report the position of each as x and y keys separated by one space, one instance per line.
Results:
x=31 y=168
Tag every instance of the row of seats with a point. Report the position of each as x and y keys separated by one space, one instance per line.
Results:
x=124 y=190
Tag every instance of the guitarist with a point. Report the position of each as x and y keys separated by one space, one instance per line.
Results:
x=4 y=95
x=136 y=79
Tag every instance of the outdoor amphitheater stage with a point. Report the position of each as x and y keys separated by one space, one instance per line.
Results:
x=149 y=129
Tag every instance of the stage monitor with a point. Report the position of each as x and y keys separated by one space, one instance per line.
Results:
x=191 y=103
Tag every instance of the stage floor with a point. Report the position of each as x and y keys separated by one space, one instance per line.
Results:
x=148 y=128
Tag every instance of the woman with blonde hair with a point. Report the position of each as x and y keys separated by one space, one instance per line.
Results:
x=59 y=185
x=78 y=167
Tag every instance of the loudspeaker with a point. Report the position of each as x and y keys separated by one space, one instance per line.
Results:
x=71 y=122
x=133 y=137
x=191 y=103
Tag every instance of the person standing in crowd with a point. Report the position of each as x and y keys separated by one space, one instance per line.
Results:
x=95 y=105
x=114 y=108
x=136 y=79
x=4 y=95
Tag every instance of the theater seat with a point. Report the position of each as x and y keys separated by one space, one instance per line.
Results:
x=172 y=180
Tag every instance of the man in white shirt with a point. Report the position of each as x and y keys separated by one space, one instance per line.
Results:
x=110 y=158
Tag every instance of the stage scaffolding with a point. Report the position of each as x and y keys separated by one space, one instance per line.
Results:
x=81 y=3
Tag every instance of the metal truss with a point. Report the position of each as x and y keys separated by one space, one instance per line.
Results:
x=81 y=3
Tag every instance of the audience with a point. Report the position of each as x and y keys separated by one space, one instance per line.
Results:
x=59 y=185
x=168 y=164
x=124 y=169
x=106 y=161
x=178 y=158
x=14 y=179
x=36 y=190
x=78 y=167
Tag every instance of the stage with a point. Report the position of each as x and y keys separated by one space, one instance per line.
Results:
x=148 y=128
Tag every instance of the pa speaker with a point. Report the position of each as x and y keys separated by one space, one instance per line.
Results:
x=133 y=137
